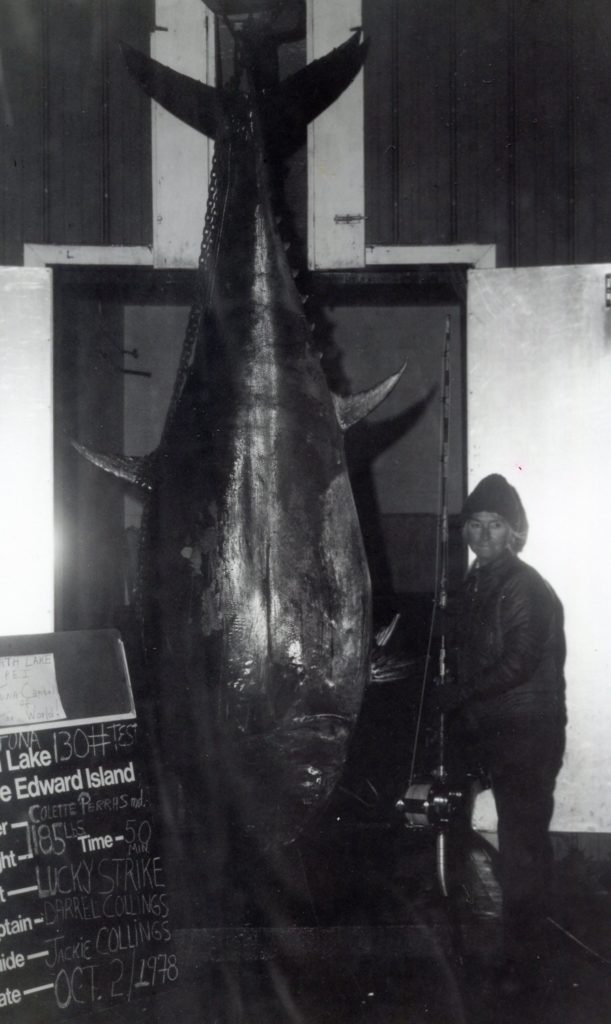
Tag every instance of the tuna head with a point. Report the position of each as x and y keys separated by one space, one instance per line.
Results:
x=255 y=587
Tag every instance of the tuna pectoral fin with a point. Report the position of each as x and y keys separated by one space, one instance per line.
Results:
x=190 y=100
x=352 y=408
x=303 y=96
x=136 y=469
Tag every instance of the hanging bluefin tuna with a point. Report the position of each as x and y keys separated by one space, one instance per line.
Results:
x=255 y=589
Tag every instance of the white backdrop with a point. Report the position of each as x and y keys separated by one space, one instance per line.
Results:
x=26 y=451
x=539 y=412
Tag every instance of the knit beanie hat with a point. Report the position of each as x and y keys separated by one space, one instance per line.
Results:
x=494 y=494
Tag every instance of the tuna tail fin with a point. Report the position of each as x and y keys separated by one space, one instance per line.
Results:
x=136 y=469
x=352 y=408
x=300 y=98
x=193 y=102
x=289 y=107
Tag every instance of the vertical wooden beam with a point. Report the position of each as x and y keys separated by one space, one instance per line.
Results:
x=396 y=124
x=105 y=127
x=183 y=39
x=571 y=136
x=336 y=150
x=453 y=127
x=512 y=137
x=46 y=124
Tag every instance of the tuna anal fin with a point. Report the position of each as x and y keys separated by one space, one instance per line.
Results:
x=135 y=469
x=352 y=408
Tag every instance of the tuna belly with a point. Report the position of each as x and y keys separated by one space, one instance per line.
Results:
x=280 y=780
x=296 y=656
x=262 y=623
x=293 y=587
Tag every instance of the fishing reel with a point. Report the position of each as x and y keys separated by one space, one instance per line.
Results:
x=443 y=806
x=438 y=803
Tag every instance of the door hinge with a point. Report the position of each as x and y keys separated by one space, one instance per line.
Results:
x=348 y=218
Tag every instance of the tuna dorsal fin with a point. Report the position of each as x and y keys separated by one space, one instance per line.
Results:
x=136 y=469
x=190 y=100
x=300 y=98
x=352 y=408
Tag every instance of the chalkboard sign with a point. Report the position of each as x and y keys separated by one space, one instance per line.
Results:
x=84 y=915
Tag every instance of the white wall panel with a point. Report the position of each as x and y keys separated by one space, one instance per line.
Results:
x=539 y=411
x=184 y=40
x=336 y=150
x=26 y=452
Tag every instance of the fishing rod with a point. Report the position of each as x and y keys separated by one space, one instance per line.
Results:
x=435 y=802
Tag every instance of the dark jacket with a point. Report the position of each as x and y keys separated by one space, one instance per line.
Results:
x=510 y=646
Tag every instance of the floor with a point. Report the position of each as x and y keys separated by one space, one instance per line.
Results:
x=375 y=942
